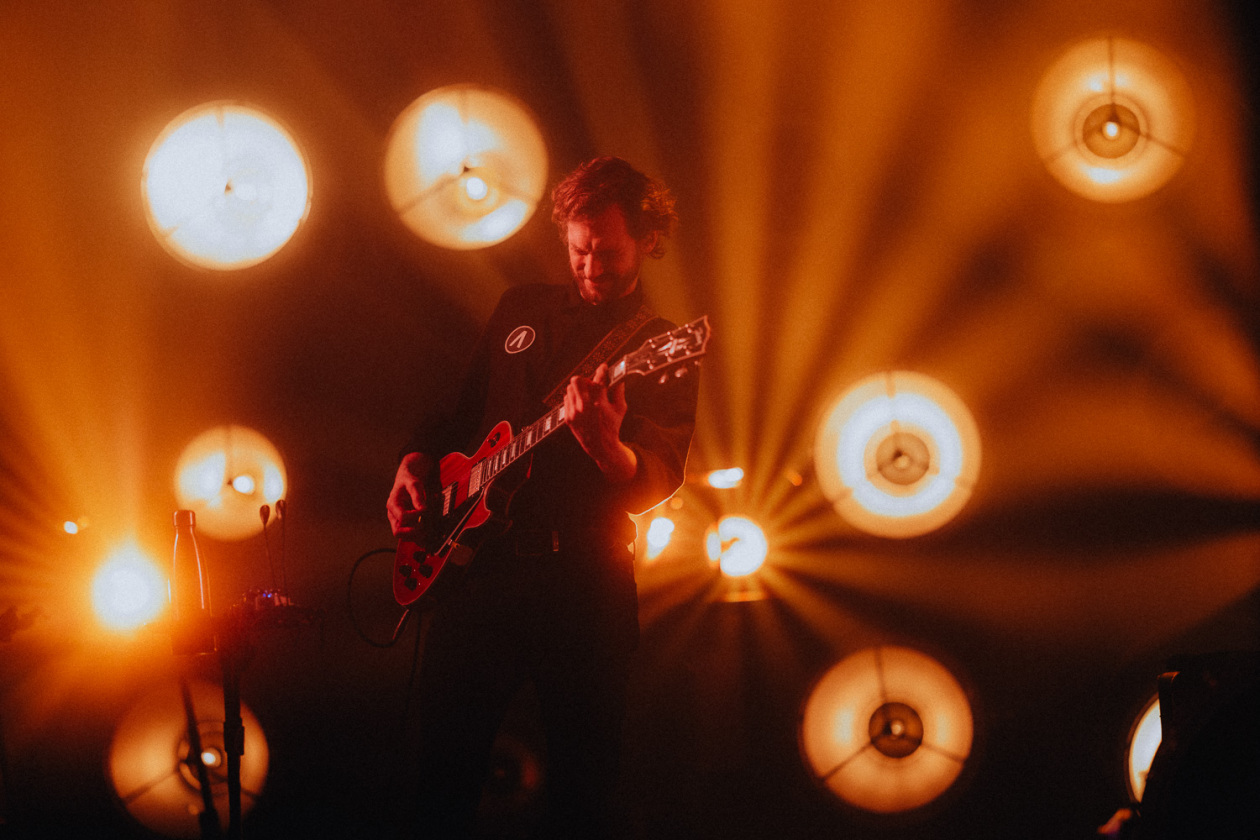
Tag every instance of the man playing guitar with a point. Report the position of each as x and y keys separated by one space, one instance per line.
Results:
x=550 y=600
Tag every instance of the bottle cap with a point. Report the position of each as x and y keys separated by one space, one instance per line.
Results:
x=185 y=519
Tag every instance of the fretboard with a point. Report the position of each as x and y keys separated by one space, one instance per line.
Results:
x=529 y=437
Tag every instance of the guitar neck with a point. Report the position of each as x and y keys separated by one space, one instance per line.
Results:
x=534 y=434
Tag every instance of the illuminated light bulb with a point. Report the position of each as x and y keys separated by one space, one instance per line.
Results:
x=476 y=188
x=1113 y=119
x=128 y=590
x=737 y=545
x=897 y=454
x=659 y=533
x=70 y=526
x=726 y=479
x=465 y=166
x=225 y=186
x=1111 y=132
x=225 y=475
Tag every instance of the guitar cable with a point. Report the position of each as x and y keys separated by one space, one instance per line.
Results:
x=354 y=622
x=401 y=742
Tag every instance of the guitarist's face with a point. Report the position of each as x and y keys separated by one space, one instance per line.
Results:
x=604 y=257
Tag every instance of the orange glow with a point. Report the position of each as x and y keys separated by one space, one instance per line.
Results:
x=887 y=729
x=226 y=475
x=147 y=759
x=898 y=454
x=225 y=186
x=1144 y=741
x=465 y=166
x=1113 y=119
x=129 y=590
x=737 y=545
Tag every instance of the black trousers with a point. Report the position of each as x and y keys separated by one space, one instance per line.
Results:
x=568 y=622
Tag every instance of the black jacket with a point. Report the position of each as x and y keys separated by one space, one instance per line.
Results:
x=532 y=342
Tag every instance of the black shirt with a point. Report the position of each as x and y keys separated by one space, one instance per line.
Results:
x=534 y=339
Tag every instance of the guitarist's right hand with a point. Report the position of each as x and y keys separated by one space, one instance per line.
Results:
x=407 y=499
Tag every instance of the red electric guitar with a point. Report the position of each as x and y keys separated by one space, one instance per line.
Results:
x=451 y=534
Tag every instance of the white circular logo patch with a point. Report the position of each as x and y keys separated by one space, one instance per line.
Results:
x=520 y=339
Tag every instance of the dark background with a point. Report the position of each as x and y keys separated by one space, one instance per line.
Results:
x=859 y=192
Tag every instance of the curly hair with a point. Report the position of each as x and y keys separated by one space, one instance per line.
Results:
x=602 y=182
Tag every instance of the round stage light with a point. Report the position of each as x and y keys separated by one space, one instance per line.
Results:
x=225 y=186
x=225 y=475
x=1144 y=741
x=1113 y=119
x=149 y=767
x=737 y=545
x=898 y=454
x=888 y=729
x=465 y=166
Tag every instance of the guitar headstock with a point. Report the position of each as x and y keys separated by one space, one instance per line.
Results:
x=678 y=349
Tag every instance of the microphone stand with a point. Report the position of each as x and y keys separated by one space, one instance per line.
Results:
x=208 y=819
x=234 y=632
x=234 y=651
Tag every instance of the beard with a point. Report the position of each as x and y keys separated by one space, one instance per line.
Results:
x=608 y=287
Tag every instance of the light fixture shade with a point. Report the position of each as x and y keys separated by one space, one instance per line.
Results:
x=147 y=759
x=465 y=166
x=898 y=454
x=1113 y=119
x=888 y=729
x=225 y=475
x=225 y=186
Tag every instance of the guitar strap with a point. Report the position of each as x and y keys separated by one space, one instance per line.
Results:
x=602 y=352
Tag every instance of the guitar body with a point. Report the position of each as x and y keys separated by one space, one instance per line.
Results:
x=471 y=504
x=452 y=533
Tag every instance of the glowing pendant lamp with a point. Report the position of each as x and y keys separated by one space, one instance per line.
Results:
x=898 y=454
x=465 y=166
x=225 y=186
x=226 y=475
x=1113 y=119
x=887 y=729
